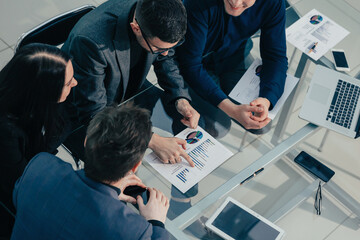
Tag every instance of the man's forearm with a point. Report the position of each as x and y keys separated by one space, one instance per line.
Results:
x=153 y=139
x=227 y=106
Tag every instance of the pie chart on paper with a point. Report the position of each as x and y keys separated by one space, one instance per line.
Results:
x=316 y=19
x=194 y=137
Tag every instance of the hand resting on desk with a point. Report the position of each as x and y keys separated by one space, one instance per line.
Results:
x=265 y=105
x=249 y=116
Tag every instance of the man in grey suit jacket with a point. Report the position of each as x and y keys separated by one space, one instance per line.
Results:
x=112 y=56
x=55 y=202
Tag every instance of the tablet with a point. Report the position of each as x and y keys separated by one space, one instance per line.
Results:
x=235 y=221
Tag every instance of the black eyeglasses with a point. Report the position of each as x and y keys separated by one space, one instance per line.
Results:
x=159 y=50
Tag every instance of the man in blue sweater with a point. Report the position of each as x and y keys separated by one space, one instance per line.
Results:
x=212 y=59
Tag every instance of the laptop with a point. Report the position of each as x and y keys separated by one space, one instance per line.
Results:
x=333 y=101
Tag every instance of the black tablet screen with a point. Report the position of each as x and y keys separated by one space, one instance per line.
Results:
x=239 y=224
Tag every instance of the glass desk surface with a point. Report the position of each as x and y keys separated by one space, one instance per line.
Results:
x=268 y=194
x=257 y=153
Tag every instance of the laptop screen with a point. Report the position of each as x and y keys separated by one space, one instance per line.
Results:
x=357 y=129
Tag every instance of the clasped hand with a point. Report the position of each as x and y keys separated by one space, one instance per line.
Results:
x=253 y=115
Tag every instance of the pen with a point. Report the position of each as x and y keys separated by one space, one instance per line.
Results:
x=252 y=175
x=312 y=48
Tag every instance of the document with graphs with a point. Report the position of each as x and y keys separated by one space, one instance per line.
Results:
x=204 y=150
x=248 y=87
x=314 y=34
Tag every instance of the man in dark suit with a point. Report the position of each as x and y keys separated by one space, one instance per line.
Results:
x=113 y=48
x=55 y=202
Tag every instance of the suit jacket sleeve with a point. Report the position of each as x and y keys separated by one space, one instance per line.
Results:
x=169 y=78
x=89 y=63
x=159 y=233
x=17 y=186
x=273 y=54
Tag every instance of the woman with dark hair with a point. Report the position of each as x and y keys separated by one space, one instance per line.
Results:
x=32 y=85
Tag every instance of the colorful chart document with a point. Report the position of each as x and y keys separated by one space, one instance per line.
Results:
x=314 y=34
x=205 y=151
x=248 y=88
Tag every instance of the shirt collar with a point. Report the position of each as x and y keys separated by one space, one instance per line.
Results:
x=102 y=187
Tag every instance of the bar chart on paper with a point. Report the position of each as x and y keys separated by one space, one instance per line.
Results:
x=200 y=154
x=206 y=153
x=182 y=175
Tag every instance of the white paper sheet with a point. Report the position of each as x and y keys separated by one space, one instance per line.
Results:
x=314 y=34
x=205 y=151
x=248 y=88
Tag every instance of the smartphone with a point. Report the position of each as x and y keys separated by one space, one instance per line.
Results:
x=340 y=60
x=314 y=166
x=135 y=190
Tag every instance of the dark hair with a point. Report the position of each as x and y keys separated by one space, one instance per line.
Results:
x=31 y=85
x=165 y=19
x=117 y=138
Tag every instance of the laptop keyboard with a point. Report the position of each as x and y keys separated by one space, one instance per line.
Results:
x=343 y=104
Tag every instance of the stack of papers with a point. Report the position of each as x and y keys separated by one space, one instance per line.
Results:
x=205 y=151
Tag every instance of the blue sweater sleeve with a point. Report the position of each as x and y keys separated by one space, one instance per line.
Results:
x=191 y=52
x=273 y=54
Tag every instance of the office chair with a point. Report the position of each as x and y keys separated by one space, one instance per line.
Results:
x=7 y=219
x=6 y=209
x=54 y=32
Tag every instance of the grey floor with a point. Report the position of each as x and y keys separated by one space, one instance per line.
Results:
x=340 y=153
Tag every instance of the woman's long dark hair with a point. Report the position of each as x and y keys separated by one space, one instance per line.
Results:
x=30 y=88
